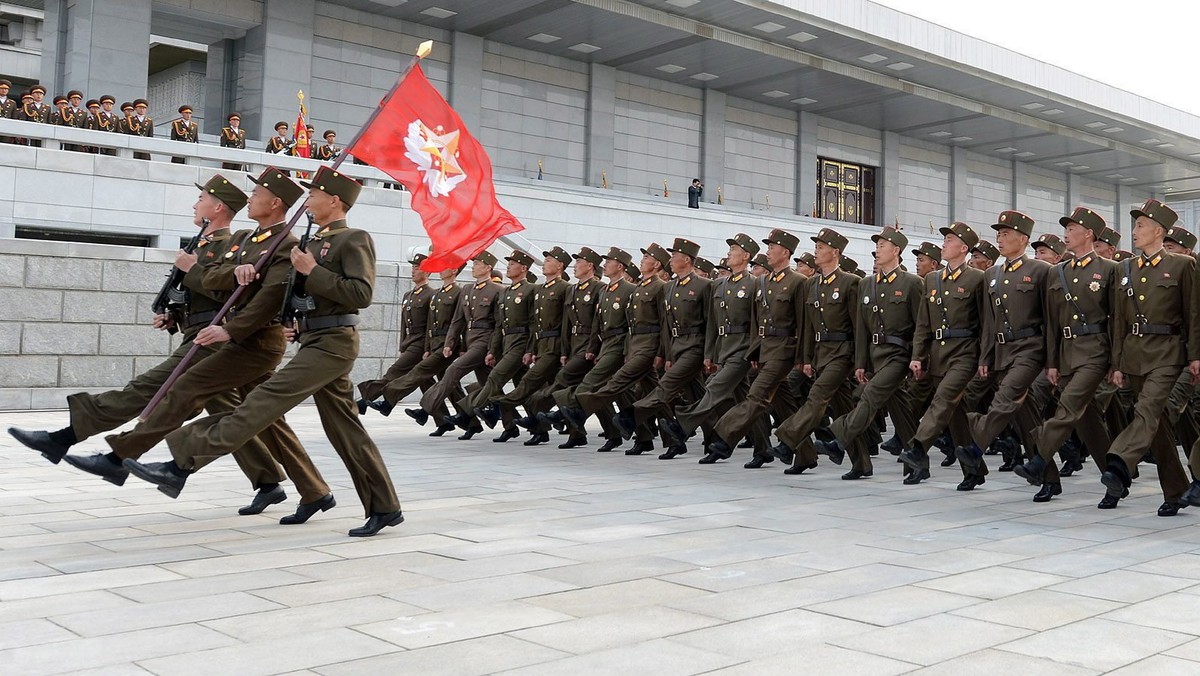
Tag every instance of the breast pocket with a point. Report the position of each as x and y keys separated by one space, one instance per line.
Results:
x=1166 y=282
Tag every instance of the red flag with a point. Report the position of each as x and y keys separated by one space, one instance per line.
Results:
x=300 y=135
x=421 y=142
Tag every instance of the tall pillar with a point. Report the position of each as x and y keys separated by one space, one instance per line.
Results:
x=601 y=124
x=958 y=184
x=277 y=63
x=218 y=74
x=888 y=203
x=806 y=164
x=466 y=78
x=96 y=46
x=1121 y=220
x=1074 y=192
x=1020 y=179
x=712 y=142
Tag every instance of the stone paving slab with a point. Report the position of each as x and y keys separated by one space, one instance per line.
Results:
x=525 y=560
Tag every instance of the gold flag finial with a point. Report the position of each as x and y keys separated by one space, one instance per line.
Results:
x=300 y=95
x=424 y=49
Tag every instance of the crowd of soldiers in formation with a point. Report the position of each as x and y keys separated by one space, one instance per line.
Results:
x=101 y=115
x=1082 y=348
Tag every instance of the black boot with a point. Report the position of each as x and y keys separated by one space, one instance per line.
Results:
x=383 y=406
x=1032 y=471
x=441 y=430
x=1049 y=490
x=893 y=445
x=418 y=414
x=574 y=441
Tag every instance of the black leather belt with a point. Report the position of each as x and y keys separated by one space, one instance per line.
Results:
x=199 y=318
x=512 y=331
x=1006 y=335
x=687 y=331
x=643 y=330
x=885 y=339
x=1153 y=330
x=1069 y=332
x=730 y=330
x=943 y=334
x=481 y=324
x=552 y=333
x=764 y=331
x=578 y=330
x=614 y=332
x=438 y=332
x=327 y=322
x=833 y=337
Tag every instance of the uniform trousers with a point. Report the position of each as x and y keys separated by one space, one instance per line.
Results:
x=1150 y=427
x=882 y=391
x=607 y=363
x=542 y=373
x=767 y=389
x=408 y=359
x=945 y=406
x=433 y=400
x=830 y=384
x=509 y=367
x=1077 y=410
x=722 y=391
x=683 y=379
x=320 y=369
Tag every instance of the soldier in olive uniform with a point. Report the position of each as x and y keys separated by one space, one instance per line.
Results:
x=1080 y=298
x=579 y=345
x=1181 y=405
x=779 y=316
x=828 y=354
x=1108 y=243
x=184 y=128
x=984 y=255
x=340 y=271
x=727 y=343
x=71 y=115
x=414 y=325
x=544 y=353
x=140 y=124
x=948 y=331
x=1013 y=348
x=233 y=136
x=8 y=105
x=610 y=327
x=1155 y=338
x=885 y=322
x=806 y=264
x=506 y=352
x=472 y=329
x=91 y=414
x=686 y=301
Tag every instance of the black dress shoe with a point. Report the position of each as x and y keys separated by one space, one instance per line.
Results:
x=466 y=436
x=609 y=445
x=528 y=423
x=461 y=420
x=574 y=441
x=783 y=452
x=264 y=499
x=893 y=445
x=1032 y=471
x=831 y=449
x=1007 y=466
x=1170 y=508
x=574 y=418
x=508 y=433
x=362 y=406
x=1109 y=501
x=304 y=512
x=418 y=414
x=441 y=430
x=1112 y=483
x=41 y=441
x=383 y=406
x=672 y=430
x=710 y=459
x=489 y=414
x=914 y=458
x=101 y=466
x=948 y=461
x=971 y=459
x=719 y=448
x=537 y=438
x=971 y=482
x=551 y=418
x=854 y=474
x=625 y=424
x=673 y=452
x=758 y=461
x=376 y=523
x=1048 y=491
x=944 y=443
x=916 y=476
x=166 y=475
x=640 y=447
x=799 y=469
x=1191 y=497
x=748 y=443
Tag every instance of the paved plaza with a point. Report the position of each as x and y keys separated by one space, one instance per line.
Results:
x=523 y=560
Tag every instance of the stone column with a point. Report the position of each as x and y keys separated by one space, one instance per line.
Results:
x=806 y=164
x=1121 y=221
x=888 y=182
x=466 y=78
x=601 y=115
x=1020 y=178
x=98 y=46
x=712 y=143
x=1074 y=192
x=958 y=184
x=277 y=64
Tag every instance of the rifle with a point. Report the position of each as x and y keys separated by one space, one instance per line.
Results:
x=295 y=300
x=172 y=295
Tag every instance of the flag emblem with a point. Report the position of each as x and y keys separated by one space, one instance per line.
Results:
x=435 y=152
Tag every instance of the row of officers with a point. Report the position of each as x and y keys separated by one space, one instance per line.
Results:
x=1078 y=349
x=102 y=115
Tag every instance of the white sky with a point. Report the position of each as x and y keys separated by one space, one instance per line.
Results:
x=1148 y=47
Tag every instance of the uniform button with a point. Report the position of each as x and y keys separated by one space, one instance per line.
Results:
x=1143 y=280
x=1006 y=281
x=1004 y=295
x=1141 y=298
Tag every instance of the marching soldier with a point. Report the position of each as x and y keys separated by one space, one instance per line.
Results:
x=1154 y=339
x=341 y=273
x=605 y=347
x=473 y=325
x=828 y=356
x=686 y=302
x=727 y=342
x=885 y=323
x=776 y=351
x=1013 y=350
x=806 y=264
x=1081 y=297
x=1108 y=243
x=948 y=331
x=1049 y=248
x=233 y=136
x=509 y=345
x=984 y=255
x=544 y=354
x=414 y=321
